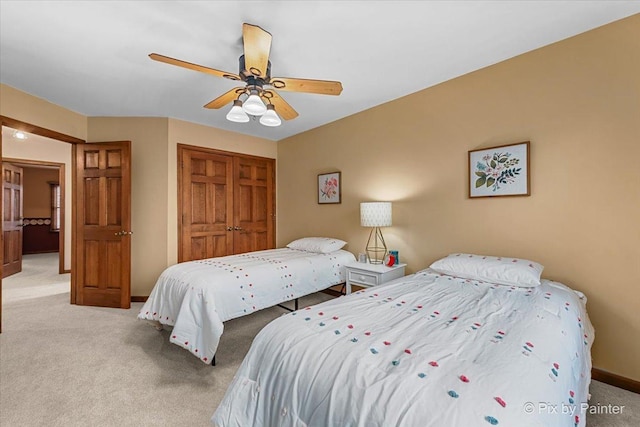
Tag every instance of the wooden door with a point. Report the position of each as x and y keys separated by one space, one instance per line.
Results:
x=205 y=204
x=253 y=204
x=101 y=267
x=12 y=219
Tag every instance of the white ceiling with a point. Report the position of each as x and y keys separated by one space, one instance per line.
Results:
x=92 y=56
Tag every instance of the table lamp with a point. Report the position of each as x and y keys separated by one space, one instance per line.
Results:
x=375 y=215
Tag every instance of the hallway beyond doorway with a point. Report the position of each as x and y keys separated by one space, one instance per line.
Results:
x=39 y=277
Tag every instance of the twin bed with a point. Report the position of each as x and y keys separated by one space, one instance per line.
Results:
x=471 y=341
x=196 y=297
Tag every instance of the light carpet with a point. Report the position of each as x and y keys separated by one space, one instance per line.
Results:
x=39 y=277
x=65 y=365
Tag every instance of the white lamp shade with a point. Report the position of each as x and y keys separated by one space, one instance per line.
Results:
x=237 y=114
x=270 y=118
x=375 y=214
x=254 y=105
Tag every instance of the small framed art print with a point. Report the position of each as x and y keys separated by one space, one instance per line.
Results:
x=329 y=188
x=499 y=171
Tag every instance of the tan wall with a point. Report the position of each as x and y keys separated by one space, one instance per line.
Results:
x=37 y=111
x=577 y=101
x=46 y=150
x=36 y=200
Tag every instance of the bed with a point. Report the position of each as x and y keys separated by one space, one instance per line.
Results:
x=196 y=297
x=429 y=349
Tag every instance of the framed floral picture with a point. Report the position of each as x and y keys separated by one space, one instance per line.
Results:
x=329 y=188
x=499 y=171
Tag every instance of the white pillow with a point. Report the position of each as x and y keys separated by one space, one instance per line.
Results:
x=502 y=270
x=321 y=245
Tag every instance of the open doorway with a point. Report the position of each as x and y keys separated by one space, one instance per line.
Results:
x=101 y=215
x=36 y=247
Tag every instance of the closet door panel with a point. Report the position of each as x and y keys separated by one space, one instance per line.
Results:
x=253 y=204
x=205 y=204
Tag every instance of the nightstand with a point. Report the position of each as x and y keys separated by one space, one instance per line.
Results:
x=367 y=275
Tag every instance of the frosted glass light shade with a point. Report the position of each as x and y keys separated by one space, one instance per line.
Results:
x=254 y=105
x=237 y=114
x=375 y=214
x=270 y=118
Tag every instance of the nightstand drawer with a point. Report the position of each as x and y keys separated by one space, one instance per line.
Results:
x=366 y=275
x=363 y=278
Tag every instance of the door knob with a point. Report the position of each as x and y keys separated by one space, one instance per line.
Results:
x=237 y=228
x=229 y=228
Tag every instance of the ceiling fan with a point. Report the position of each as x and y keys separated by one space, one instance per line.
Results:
x=260 y=88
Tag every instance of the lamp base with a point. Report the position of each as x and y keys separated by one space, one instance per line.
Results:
x=376 y=249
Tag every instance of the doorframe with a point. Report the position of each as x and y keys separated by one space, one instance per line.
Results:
x=36 y=130
x=61 y=180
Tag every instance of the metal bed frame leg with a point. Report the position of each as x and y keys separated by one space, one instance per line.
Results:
x=287 y=308
x=213 y=360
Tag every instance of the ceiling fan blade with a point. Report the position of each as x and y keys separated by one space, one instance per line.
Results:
x=257 y=45
x=283 y=108
x=225 y=98
x=322 y=87
x=195 y=67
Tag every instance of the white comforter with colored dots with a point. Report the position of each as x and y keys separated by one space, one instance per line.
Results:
x=425 y=350
x=196 y=297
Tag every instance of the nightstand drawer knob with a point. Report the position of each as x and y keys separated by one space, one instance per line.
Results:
x=362 y=278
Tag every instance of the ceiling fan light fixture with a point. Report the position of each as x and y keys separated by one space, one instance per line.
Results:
x=270 y=118
x=237 y=114
x=255 y=73
x=254 y=105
